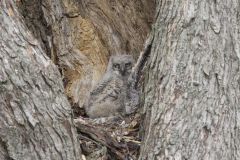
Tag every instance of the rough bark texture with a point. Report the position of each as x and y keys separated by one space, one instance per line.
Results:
x=35 y=116
x=192 y=82
x=79 y=36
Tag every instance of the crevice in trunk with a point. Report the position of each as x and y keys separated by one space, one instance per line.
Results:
x=34 y=19
x=79 y=39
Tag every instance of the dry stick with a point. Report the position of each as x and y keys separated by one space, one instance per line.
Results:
x=102 y=137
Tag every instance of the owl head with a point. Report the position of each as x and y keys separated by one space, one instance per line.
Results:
x=121 y=64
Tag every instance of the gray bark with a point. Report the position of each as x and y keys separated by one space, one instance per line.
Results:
x=191 y=88
x=35 y=116
x=192 y=82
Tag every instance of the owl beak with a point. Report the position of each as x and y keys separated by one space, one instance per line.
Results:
x=122 y=70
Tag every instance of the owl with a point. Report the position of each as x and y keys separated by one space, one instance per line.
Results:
x=108 y=98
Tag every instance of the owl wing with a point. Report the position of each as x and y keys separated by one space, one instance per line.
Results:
x=131 y=101
x=101 y=86
x=107 y=90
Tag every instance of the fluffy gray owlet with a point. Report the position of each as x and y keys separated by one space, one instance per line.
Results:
x=109 y=96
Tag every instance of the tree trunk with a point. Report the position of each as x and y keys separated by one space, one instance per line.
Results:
x=35 y=116
x=192 y=82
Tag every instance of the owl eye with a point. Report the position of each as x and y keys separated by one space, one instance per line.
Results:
x=116 y=66
x=128 y=65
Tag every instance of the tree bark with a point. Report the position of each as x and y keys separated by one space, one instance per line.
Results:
x=35 y=116
x=192 y=82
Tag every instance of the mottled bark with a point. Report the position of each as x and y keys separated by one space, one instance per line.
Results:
x=192 y=82
x=35 y=116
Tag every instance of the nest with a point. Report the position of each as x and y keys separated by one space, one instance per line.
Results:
x=109 y=138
